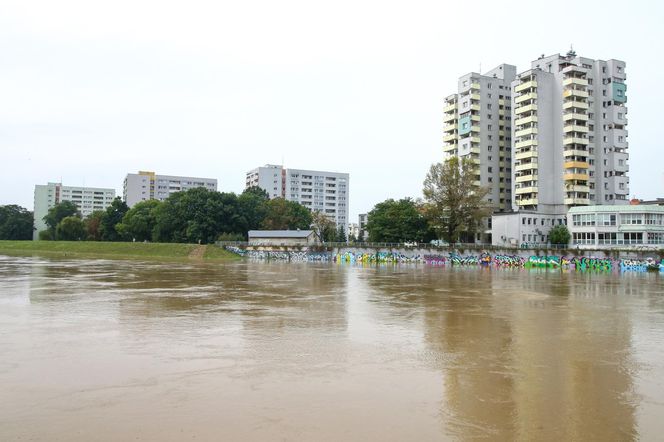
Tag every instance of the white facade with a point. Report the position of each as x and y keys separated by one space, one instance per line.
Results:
x=477 y=125
x=143 y=186
x=270 y=178
x=87 y=199
x=617 y=226
x=523 y=228
x=325 y=192
x=570 y=134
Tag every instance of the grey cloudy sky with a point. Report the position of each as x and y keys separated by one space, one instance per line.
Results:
x=90 y=91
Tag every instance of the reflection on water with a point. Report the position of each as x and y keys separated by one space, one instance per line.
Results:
x=257 y=351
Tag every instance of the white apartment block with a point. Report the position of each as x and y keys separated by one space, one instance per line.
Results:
x=477 y=125
x=143 y=186
x=87 y=199
x=570 y=134
x=325 y=192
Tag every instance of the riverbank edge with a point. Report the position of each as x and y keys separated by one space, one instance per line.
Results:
x=118 y=250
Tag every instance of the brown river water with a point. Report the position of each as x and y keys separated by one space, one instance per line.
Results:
x=121 y=350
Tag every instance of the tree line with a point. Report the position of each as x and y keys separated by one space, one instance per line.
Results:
x=193 y=216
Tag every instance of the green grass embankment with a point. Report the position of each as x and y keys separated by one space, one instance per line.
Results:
x=117 y=250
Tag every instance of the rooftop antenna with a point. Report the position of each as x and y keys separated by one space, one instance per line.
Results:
x=480 y=67
x=571 y=52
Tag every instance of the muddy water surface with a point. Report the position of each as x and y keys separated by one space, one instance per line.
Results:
x=119 y=350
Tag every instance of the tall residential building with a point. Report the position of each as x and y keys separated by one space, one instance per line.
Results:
x=144 y=186
x=570 y=134
x=569 y=137
x=326 y=192
x=477 y=125
x=87 y=199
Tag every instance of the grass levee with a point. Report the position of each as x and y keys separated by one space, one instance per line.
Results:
x=112 y=250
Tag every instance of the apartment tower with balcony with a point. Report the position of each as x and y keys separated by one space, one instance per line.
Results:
x=477 y=125
x=569 y=134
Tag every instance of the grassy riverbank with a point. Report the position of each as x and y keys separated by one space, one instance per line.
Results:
x=117 y=250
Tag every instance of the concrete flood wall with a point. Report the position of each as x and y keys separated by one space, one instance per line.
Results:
x=638 y=260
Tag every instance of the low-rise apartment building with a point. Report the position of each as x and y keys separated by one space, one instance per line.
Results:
x=325 y=192
x=143 y=186
x=87 y=199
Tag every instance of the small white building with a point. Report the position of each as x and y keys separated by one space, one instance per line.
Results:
x=617 y=226
x=523 y=228
x=282 y=238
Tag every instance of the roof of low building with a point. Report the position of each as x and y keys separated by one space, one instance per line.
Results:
x=280 y=233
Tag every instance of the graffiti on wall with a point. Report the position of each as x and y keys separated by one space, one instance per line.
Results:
x=485 y=259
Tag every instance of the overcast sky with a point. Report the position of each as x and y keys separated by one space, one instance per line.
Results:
x=90 y=91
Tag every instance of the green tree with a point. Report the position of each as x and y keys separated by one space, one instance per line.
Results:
x=341 y=234
x=286 y=215
x=252 y=209
x=16 y=222
x=139 y=221
x=198 y=215
x=454 y=204
x=559 y=235
x=92 y=224
x=323 y=226
x=111 y=218
x=59 y=212
x=397 y=221
x=71 y=228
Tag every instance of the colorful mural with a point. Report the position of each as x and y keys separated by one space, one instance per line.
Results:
x=485 y=259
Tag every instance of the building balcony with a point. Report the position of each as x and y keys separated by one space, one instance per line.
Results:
x=450 y=108
x=526 y=85
x=448 y=138
x=575 y=153
x=475 y=97
x=525 y=143
x=526 y=108
x=527 y=202
x=501 y=101
x=525 y=120
x=575 y=116
x=577 y=202
x=525 y=132
x=522 y=190
x=575 y=105
x=527 y=166
x=526 y=97
x=475 y=86
x=475 y=118
x=575 y=93
x=575 y=177
x=575 y=128
x=575 y=140
x=525 y=154
x=577 y=188
x=475 y=107
x=525 y=178
x=575 y=81
x=449 y=118
x=475 y=140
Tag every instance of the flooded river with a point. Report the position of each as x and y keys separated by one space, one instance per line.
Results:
x=120 y=350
